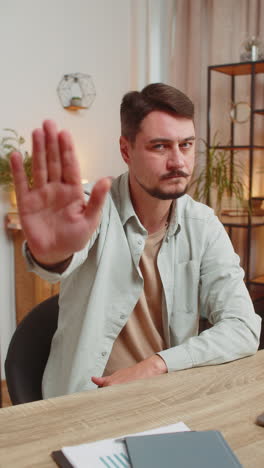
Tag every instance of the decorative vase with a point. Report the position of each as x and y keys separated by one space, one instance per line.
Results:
x=252 y=49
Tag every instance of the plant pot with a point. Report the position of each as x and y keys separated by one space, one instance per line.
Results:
x=76 y=101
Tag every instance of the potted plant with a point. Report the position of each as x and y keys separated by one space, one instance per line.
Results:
x=219 y=174
x=76 y=101
x=9 y=143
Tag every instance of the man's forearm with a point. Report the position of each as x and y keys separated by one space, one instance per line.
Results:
x=229 y=339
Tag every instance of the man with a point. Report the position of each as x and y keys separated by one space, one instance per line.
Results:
x=137 y=266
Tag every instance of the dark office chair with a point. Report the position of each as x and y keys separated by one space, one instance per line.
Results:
x=29 y=350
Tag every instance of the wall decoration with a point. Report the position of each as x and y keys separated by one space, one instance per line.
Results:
x=76 y=91
x=240 y=112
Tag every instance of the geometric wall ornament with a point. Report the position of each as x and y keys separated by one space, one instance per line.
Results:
x=76 y=91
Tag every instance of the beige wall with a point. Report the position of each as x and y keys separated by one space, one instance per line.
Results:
x=40 y=41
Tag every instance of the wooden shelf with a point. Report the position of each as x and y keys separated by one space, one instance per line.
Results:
x=257 y=295
x=237 y=147
x=259 y=111
x=75 y=108
x=239 y=68
x=258 y=280
x=241 y=218
x=241 y=222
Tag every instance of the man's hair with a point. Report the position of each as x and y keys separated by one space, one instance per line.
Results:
x=137 y=105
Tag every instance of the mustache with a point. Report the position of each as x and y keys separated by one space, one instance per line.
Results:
x=178 y=173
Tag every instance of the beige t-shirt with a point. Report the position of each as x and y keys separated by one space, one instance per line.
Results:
x=142 y=336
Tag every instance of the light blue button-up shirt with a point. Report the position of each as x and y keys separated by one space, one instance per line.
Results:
x=200 y=274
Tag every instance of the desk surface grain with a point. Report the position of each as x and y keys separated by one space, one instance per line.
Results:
x=227 y=397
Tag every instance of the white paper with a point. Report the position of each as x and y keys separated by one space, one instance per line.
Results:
x=110 y=453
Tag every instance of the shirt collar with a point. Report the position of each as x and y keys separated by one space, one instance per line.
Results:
x=121 y=195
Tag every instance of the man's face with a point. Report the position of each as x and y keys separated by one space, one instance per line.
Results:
x=161 y=159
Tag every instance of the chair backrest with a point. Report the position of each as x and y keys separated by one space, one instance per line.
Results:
x=28 y=352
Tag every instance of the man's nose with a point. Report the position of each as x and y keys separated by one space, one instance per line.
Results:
x=175 y=159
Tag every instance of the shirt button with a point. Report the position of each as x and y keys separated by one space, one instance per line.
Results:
x=122 y=316
x=104 y=353
x=139 y=242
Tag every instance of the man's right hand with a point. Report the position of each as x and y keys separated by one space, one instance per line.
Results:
x=54 y=215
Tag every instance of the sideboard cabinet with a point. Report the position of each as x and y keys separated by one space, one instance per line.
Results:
x=30 y=290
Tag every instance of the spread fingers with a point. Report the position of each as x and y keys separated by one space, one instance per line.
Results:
x=53 y=156
x=39 y=163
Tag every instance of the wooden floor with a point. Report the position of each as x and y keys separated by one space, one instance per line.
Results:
x=5 y=396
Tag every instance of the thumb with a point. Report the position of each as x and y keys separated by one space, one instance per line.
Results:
x=97 y=197
x=98 y=381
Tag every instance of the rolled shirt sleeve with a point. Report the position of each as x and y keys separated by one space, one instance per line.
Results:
x=224 y=300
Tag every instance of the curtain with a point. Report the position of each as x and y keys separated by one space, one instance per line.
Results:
x=208 y=32
x=176 y=40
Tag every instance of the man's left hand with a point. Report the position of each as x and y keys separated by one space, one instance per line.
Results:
x=150 y=367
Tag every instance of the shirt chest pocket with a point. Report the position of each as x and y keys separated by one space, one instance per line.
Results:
x=186 y=287
x=184 y=316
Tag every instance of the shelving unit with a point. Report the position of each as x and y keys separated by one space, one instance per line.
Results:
x=75 y=108
x=247 y=221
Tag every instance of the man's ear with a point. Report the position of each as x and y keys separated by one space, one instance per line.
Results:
x=125 y=149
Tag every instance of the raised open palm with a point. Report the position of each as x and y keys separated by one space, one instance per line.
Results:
x=54 y=216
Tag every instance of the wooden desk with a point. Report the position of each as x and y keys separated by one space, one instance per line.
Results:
x=227 y=397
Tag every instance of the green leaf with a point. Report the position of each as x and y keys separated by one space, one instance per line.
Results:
x=8 y=144
x=11 y=130
x=219 y=170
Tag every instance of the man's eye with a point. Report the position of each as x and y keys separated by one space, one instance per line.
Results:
x=159 y=146
x=186 y=144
